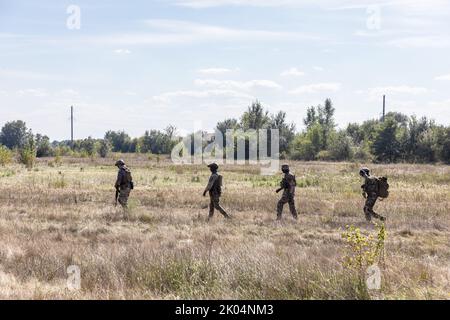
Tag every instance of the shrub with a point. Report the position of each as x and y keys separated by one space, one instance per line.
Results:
x=5 y=156
x=27 y=154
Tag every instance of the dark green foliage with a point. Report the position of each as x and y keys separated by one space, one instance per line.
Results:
x=14 y=134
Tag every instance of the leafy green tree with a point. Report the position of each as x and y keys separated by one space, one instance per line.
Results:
x=43 y=146
x=302 y=148
x=311 y=117
x=227 y=124
x=89 y=146
x=340 y=147
x=14 y=134
x=119 y=140
x=255 y=117
x=355 y=132
x=104 y=148
x=444 y=151
x=286 y=131
x=386 y=146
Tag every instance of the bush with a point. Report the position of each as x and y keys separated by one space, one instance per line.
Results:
x=5 y=156
x=104 y=149
x=303 y=149
x=27 y=156
x=324 y=155
x=341 y=148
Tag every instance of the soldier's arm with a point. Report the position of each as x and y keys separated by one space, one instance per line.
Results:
x=119 y=180
x=211 y=181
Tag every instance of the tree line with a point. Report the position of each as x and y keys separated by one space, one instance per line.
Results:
x=395 y=138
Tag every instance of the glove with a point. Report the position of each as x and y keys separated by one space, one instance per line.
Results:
x=204 y=193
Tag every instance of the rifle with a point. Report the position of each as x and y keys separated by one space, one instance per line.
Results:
x=284 y=185
x=117 y=196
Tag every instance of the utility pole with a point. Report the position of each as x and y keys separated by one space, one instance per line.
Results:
x=384 y=107
x=71 y=127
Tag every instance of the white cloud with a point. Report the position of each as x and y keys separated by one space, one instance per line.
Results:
x=292 y=72
x=317 y=68
x=317 y=88
x=167 y=97
x=32 y=92
x=216 y=71
x=28 y=75
x=445 y=77
x=238 y=85
x=430 y=42
x=403 y=89
x=122 y=51
x=410 y=5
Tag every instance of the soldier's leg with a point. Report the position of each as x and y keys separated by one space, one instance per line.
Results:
x=368 y=208
x=218 y=207
x=374 y=214
x=280 y=206
x=292 y=207
x=211 y=207
x=123 y=198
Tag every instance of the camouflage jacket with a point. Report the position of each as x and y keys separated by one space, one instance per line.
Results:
x=214 y=184
x=288 y=183
x=124 y=178
x=370 y=185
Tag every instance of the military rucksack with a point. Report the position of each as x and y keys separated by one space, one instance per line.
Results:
x=127 y=180
x=217 y=186
x=383 y=187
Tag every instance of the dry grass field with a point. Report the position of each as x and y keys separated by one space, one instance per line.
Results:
x=59 y=215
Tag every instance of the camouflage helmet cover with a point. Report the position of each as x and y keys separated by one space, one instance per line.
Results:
x=364 y=171
x=213 y=166
x=120 y=162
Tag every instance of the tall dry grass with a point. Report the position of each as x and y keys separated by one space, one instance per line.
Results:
x=60 y=215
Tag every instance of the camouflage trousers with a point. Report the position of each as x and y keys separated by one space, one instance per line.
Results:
x=368 y=207
x=215 y=204
x=123 y=197
x=286 y=198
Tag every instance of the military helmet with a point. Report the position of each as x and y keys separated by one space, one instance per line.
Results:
x=213 y=166
x=364 y=172
x=285 y=168
x=120 y=163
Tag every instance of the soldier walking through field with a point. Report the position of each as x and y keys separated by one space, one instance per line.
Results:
x=124 y=184
x=288 y=185
x=373 y=188
x=214 y=188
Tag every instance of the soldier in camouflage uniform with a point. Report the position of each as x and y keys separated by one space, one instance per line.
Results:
x=288 y=185
x=124 y=183
x=370 y=193
x=214 y=188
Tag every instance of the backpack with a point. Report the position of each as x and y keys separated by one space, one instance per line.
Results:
x=127 y=180
x=383 y=187
x=217 y=186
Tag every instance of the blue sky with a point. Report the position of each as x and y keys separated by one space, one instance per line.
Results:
x=141 y=65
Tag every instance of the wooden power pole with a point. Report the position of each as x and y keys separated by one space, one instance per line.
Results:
x=384 y=107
